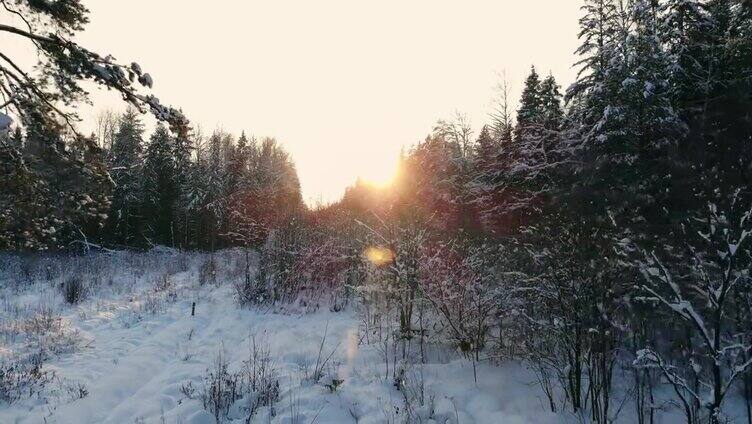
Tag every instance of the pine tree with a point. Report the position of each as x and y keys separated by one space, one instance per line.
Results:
x=56 y=163
x=486 y=149
x=681 y=25
x=487 y=184
x=647 y=124
x=529 y=113
x=74 y=184
x=552 y=113
x=159 y=188
x=716 y=100
x=526 y=164
x=124 y=225
x=23 y=221
x=237 y=166
x=626 y=120
x=184 y=169
x=599 y=32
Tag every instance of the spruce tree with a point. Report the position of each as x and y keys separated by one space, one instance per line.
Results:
x=124 y=224
x=599 y=30
x=184 y=190
x=529 y=113
x=487 y=184
x=159 y=188
x=24 y=223
x=681 y=25
x=552 y=113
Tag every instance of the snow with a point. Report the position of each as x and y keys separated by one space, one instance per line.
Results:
x=131 y=350
x=5 y=123
x=132 y=358
x=146 y=80
x=102 y=72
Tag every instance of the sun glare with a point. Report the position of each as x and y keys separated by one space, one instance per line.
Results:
x=379 y=255
x=381 y=177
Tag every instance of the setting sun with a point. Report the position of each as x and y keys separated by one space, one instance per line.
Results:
x=381 y=176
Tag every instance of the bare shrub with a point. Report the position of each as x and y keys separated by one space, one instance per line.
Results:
x=76 y=390
x=23 y=377
x=257 y=383
x=260 y=376
x=153 y=303
x=188 y=390
x=208 y=271
x=420 y=402
x=460 y=284
x=322 y=360
x=163 y=283
x=74 y=290
x=250 y=291
x=221 y=388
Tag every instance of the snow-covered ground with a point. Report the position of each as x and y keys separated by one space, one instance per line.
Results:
x=132 y=352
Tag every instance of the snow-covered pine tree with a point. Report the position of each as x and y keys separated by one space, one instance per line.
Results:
x=237 y=169
x=23 y=221
x=159 y=189
x=715 y=97
x=67 y=184
x=215 y=189
x=530 y=110
x=125 y=220
x=490 y=160
x=646 y=127
x=531 y=158
x=552 y=113
x=183 y=211
x=56 y=162
x=597 y=54
x=681 y=24
x=624 y=118
x=486 y=186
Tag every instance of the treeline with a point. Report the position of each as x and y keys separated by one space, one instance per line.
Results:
x=601 y=236
x=122 y=189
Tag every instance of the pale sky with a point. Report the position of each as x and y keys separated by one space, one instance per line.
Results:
x=343 y=84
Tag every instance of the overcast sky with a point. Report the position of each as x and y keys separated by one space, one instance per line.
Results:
x=343 y=84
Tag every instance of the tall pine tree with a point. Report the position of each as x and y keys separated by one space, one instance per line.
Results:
x=125 y=220
x=159 y=188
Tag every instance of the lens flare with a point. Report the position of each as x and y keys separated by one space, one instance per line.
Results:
x=379 y=256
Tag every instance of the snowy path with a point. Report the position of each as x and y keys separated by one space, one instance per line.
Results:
x=135 y=364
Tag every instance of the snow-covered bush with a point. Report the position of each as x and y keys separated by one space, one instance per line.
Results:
x=319 y=274
x=569 y=294
x=221 y=388
x=277 y=261
x=260 y=377
x=36 y=334
x=705 y=290
x=460 y=285
x=23 y=378
x=243 y=392
x=301 y=268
